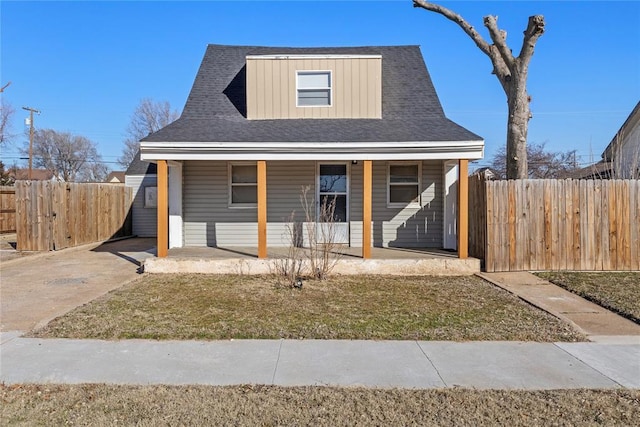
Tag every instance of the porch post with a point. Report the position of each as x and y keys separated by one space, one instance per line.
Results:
x=366 y=209
x=163 y=208
x=262 y=209
x=463 y=208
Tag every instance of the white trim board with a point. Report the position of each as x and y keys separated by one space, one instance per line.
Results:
x=344 y=151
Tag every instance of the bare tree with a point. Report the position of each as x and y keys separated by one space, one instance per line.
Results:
x=512 y=73
x=543 y=164
x=71 y=158
x=6 y=113
x=148 y=117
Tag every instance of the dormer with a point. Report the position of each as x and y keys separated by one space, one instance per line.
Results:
x=314 y=87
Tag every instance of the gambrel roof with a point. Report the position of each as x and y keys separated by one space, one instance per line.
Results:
x=215 y=110
x=216 y=107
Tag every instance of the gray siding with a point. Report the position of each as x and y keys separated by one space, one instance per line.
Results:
x=400 y=227
x=144 y=219
x=209 y=221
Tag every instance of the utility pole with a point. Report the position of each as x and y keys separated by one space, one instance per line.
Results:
x=31 y=111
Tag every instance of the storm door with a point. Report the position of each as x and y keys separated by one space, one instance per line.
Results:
x=333 y=203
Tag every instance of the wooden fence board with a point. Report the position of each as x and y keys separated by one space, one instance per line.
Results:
x=7 y=209
x=52 y=215
x=559 y=225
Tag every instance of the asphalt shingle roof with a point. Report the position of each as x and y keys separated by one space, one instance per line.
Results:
x=216 y=108
x=140 y=167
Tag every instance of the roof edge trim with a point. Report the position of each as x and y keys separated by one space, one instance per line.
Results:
x=313 y=56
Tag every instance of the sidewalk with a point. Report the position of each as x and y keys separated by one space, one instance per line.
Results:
x=596 y=322
x=405 y=364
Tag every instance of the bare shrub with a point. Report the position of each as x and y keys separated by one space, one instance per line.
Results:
x=321 y=232
x=289 y=267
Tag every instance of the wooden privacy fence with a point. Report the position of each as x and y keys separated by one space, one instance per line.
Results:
x=588 y=225
x=7 y=209
x=57 y=215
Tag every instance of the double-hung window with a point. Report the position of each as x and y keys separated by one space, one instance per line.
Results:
x=243 y=185
x=403 y=181
x=314 y=88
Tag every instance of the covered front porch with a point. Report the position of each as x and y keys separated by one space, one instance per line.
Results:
x=349 y=261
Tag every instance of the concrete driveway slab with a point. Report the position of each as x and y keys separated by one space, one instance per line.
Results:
x=621 y=363
x=29 y=360
x=38 y=288
x=511 y=365
x=355 y=363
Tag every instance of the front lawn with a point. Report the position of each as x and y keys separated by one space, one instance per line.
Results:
x=210 y=307
x=98 y=405
x=619 y=291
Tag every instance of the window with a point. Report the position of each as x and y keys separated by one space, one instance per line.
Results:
x=243 y=185
x=314 y=88
x=404 y=184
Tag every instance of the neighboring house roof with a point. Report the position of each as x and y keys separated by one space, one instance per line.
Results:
x=613 y=157
x=37 y=174
x=140 y=167
x=215 y=110
x=600 y=170
x=115 y=176
x=632 y=121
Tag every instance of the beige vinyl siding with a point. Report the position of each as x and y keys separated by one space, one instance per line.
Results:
x=356 y=86
x=208 y=221
x=144 y=220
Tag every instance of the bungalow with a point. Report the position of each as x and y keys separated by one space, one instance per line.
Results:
x=361 y=126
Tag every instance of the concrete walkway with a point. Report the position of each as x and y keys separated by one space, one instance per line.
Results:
x=406 y=364
x=598 y=323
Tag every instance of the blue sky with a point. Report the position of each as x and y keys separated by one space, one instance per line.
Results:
x=86 y=65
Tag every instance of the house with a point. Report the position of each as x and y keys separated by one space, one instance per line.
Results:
x=115 y=177
x=621 y=158
x=141 y=177
x=362 y=126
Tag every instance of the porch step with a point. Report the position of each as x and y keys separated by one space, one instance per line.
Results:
x=437 y=266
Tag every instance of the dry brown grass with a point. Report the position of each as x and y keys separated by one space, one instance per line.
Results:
x=98 y=405
x=376 y=307
x=617 y=291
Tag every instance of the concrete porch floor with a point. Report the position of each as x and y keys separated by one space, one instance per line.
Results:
x=244 y=260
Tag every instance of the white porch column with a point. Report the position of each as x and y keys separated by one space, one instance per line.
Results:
x=175 y=205
x=450 y=237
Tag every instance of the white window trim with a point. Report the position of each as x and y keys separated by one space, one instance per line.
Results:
x=417 y=203
x=330 y=88
x=230 y=186
x=337 y=193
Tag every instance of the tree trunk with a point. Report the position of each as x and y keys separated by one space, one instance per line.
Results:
x=517 y=126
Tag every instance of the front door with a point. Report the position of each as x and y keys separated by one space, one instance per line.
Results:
x=333 y=203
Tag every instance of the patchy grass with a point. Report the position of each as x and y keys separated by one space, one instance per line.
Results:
x=619 y=291
x=376 y=307
x=89 y=405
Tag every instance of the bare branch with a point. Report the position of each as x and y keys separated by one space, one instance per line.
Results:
x=4 y=87
x=500 y=68
x=451 y=15
x=499 y=39
x=535 y=28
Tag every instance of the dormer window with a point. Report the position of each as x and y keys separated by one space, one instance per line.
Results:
x=314 y=88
